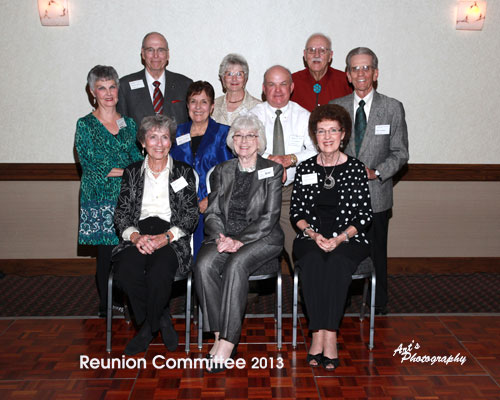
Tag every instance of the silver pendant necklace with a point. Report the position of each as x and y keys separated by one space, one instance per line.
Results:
x=329 y=179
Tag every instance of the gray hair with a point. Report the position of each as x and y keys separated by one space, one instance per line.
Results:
x=248 y=122
x=102 y=73
x=233 y=59
x=361 y=51
x=281 y=66
x=153 y=33
x=327 y=38
x=157 y=122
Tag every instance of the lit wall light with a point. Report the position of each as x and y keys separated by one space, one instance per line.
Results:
x=53 y=12
x=471 y=15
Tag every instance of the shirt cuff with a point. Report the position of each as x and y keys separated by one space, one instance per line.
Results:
x=177 y=233
x=128 y=232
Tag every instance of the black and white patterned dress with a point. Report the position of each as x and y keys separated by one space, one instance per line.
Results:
x=326 y=277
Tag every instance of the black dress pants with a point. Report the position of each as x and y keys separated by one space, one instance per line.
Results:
x=377 y=234
x=147 y=279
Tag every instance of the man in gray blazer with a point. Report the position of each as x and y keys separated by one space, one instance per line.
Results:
x=380 y=141
x=154 y=89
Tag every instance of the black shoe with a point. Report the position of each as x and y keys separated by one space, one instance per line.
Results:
x=381 y=310
x=318 y=358
x=168 y=334
x=330 y=363
x=220 y=367
x=141 y=341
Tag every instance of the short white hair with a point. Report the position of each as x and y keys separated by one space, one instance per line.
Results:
x=248 y=122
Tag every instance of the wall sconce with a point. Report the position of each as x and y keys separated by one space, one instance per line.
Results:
x=53 y=12
x=471 y=15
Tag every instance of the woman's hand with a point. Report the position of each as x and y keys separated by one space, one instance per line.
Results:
x=115 y=172
x=203 y=204
x=225 y=244
x=147 y=244
x=324 y=244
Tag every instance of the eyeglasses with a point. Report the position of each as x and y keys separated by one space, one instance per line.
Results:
x=160 y=51
x=331 y=131
x=321 y=50
x=237 y=74
x=364 y=68
x=240 y=138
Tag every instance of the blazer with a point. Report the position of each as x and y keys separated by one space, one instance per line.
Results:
x=385 y=153
x=137 y=103
x=212 y=151
x=264 y=208
x=183 y=205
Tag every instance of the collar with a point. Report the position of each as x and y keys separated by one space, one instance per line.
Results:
x=273 y=110
x=167 y=168
x=368 y=98
x=150 y=79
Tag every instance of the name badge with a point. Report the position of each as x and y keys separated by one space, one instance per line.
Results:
x=121 y=123
x=136 y=84
x=265 y=173
x=183 y=139
x=310 y=179
x=382 y=129
x=296 y=141
x=179 y=184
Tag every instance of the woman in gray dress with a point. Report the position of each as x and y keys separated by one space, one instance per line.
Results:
x=242 y=232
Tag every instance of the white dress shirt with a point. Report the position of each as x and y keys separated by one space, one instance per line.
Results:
x=368 y=104
x=156 y=200
x=150 y=80
x=294 y=120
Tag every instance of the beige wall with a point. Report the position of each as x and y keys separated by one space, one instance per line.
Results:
x=444 y=77
x=431 y=219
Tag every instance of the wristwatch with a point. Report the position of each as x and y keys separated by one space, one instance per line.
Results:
x=168 y=237
x=377 y=174
x=293 y=160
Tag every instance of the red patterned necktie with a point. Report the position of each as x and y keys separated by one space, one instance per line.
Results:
x=157 y=98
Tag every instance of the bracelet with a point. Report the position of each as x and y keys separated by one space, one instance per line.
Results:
x=168 y=237
x=308 y=227
x=346 y=236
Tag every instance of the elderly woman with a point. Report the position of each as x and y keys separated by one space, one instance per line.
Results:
x=156 y=213
x=201 y=143
x=242 y=232
x=105 y=142
x=331 y=207
x=233 y=74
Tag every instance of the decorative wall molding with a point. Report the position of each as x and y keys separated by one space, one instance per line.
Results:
x=414 y=265
x=411 y=172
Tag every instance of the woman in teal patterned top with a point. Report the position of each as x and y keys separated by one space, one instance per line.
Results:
x=106 y=144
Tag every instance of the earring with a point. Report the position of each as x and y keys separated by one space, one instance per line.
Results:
x=341 y=143
x=144 y=152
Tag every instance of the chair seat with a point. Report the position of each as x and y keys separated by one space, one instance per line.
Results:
x=364 y=269
x=270 y=267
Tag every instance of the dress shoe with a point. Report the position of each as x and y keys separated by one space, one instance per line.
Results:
x=220 y=367
x=141 y=341
x=330 y=363
x=168 y=334
x=317 y=358
x=381 y=310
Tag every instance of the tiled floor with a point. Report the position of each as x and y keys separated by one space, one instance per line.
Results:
x=39 y=359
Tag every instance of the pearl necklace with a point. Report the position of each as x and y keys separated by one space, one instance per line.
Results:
x=148 y=168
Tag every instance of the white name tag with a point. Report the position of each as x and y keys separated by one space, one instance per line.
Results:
x=310 y=179
x=382 y=129
x=121 y=123
x=136 y=84
x=179 y=184
x=265 y=173
x=296 y=141
x=183 y=139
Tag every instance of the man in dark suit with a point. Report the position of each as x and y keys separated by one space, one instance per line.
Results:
x=154 y=89
x=380 y=141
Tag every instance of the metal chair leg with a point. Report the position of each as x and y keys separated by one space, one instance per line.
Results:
x=280 y=314
x=363 y=302
x=109 y=311
x=188 y=311
x=200 y=327
x=372 y=311
x=295 y=304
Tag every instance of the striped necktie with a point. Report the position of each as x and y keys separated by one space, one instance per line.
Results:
x=157 y=98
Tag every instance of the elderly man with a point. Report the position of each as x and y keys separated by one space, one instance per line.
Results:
x=380 y=141
x=154 y=89
x=318 y=83
x=288 y=141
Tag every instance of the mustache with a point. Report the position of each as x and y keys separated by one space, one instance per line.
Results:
x=317 y=59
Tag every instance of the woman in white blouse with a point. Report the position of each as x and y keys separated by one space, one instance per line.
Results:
x=156 y=213
x=233 y=74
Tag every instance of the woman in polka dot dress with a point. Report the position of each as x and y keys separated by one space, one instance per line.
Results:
x=331 y=207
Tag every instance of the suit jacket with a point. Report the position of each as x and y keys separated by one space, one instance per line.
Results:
x=385 y=153
x=264 y=208
x=183 y=206
x=137 y=103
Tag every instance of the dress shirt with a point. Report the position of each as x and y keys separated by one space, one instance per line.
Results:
x=150 y=80
x=368 y=104
x=295 y=120
x=156 y=200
